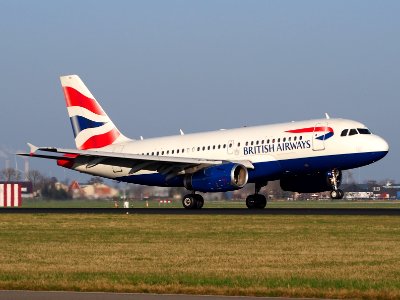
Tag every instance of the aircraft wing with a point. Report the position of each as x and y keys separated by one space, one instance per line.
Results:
x=166 y=165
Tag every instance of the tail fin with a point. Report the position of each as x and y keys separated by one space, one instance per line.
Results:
x=91 y=126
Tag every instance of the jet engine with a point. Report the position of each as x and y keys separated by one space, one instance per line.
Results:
x=220 y=178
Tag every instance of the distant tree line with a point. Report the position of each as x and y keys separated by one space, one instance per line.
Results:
x=45 y=187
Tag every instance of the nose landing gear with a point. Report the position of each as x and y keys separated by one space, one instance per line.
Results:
x=337 y=194
x=334 y=179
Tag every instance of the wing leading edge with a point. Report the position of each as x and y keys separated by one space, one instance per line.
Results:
x=166 y=165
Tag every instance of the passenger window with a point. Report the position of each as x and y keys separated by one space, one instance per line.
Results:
x=209 y=147
x=167 y=151
x=238 y=145
x=295 y=138
x=268 y=141
x=262 y=142
x=158 y=153
x=224 y=146
x=172 y=151
x=284 y=139
x=214 y=147
x=256 y=142
x=247 y=143
x=219 y=146
x=183 y=150
x=344 y=132
x=300 y=138
x=290 y=138
x=177 y=151
x=273 y=140
x=204 y=148
x=230 y=145
x=279 y=140
x=152 y=153
x=353 y=132
x=198 y=148
x=252 y=143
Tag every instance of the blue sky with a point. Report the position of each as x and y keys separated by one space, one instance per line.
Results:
x=157 y=66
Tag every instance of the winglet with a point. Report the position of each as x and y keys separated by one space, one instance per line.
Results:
x=32 y=148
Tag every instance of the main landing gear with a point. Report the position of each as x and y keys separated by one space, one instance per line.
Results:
x=193 y=201
x=256 y=201
x=334 y=179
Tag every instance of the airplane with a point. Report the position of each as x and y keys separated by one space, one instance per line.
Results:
x=306 y=156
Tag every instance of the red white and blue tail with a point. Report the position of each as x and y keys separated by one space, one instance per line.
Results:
x=91 y=126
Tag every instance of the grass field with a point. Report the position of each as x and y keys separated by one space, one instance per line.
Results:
x=303 y=256
x=213 y=204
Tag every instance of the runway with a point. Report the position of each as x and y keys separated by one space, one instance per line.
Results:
x=210 y=211
x=31 y=295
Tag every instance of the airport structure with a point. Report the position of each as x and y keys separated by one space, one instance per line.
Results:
x=12 y=192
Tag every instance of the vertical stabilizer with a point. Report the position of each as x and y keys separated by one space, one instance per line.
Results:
x=91 y=125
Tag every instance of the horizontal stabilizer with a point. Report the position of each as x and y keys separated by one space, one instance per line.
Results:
x=32 y=148
x=45 y=156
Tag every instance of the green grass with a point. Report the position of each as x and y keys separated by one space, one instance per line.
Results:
x=299 y=256
x=39 y=203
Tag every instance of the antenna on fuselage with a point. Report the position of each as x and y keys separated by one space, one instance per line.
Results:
x=327 y=116
x=141 y=138
x=181 y=131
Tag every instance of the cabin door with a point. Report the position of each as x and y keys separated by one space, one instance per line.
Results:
x=318 y=138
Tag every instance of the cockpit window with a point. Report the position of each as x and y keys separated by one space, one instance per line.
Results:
x=353 y=132
x=363 y=131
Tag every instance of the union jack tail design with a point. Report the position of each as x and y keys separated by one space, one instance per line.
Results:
x=91 y=126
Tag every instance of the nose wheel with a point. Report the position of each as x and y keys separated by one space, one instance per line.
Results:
x=337 y=194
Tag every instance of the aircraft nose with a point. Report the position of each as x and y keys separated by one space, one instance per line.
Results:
x=381 y=145
x=379 y=148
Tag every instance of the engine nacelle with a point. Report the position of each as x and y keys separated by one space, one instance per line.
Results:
x=220 y=178
x=310 y=183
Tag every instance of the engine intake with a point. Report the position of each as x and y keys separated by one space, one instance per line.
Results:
x=220 y=178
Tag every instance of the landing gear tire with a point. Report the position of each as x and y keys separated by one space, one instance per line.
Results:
x=199 y=200
x=250 y=202
x=337 y=194
x=193 y=201
x=189 y=202
x=256 y=201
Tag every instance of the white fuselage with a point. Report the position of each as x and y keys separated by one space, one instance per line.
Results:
x=288 y=146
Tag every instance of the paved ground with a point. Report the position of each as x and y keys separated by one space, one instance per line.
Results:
x=211 y=211
x=28 y=295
